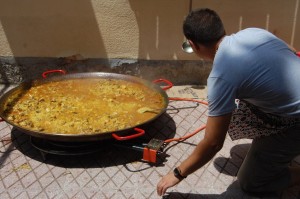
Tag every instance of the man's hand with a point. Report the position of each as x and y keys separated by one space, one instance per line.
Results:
x=207 y=148
x=166 y=182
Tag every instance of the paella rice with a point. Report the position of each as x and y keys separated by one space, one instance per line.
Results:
x=83 y=106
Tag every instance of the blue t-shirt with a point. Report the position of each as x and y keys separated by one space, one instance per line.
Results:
x=256 y=66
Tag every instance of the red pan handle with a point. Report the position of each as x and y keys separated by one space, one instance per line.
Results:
x=53 y=71
x=140 y=133
x=170 y=84
x=297 y=53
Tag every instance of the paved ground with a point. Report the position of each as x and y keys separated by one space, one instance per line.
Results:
x=117 y=172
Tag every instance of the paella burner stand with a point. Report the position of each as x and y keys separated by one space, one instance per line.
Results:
x=150 y=150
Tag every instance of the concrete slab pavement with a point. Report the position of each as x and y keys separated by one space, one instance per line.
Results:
x=114 y=172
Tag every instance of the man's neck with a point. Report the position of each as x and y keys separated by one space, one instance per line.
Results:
x=216 y=47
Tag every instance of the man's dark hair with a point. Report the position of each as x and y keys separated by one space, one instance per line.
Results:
x=203 y=26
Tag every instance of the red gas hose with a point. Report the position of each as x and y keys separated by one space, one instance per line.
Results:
x=194 y=132
x=187 y=136
x=188 y=99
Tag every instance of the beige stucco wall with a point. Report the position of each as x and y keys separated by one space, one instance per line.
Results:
x=130 y=29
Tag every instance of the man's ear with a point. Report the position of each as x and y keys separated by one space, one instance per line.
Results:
x=193 y=45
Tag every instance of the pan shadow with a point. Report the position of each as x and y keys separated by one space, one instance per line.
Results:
x=104 y=153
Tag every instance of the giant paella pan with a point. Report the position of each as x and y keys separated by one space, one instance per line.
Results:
x=84 y=106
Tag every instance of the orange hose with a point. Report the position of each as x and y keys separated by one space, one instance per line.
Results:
x=188 y=99
x=187 y=136
x=194 y=132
